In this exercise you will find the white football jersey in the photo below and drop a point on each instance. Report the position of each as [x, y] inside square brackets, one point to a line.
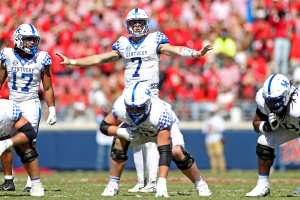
[9, 114]
[141, 58]
[291, 121]
[24, 75]
[160, 117]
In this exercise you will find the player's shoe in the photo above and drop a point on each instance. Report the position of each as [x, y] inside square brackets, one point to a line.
[112, 189]
[203, 190]
[297, 192]
[136, 188]
[26, 189]
[149, 188]
[8, 185]
[37, 190]
[260, 190]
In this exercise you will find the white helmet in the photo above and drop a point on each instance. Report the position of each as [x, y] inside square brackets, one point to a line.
[26, 31]
[277, 92]
[137, 15]
[137, 99]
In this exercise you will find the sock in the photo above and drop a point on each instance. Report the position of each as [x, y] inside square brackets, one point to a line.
[8, 143]
[139, 164]
[8, 177]
[199, 182]
[28, 183]
[152, 159]
[263, 179]
[114, 179]
[35, 181]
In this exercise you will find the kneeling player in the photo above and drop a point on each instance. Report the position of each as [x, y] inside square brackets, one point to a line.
[21, 134]
[136, 119]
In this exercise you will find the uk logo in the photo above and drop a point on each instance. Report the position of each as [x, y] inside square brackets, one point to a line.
[285, 83]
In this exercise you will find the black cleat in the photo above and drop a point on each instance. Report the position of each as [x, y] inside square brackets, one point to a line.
[27, 189]
[8, 185]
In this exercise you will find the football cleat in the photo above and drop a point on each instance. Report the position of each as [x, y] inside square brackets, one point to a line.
[37, 190]
[203, 190]
[149, 188]
[8, 185]
[26, 189]
[136, 188]
[112, 189]
[296, 192]
[260, 190]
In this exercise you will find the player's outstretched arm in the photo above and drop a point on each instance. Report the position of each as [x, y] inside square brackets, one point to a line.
[90, 60]
[168, 49]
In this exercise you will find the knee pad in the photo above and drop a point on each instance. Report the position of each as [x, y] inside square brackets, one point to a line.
[264, 152]
[29, 131]
[186, 163]
[119, 154]
[27, 154]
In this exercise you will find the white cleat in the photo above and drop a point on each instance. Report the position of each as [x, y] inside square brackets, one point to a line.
[259, 191]
[112, 189]
[136, 188]
[203, 190]
[37, 190]
[149, 188]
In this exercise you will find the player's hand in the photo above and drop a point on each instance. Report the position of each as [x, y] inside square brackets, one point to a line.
[207, 48]
[125, 134]
[161, 188]
[51, 116]
[273, 121]
[65, 59]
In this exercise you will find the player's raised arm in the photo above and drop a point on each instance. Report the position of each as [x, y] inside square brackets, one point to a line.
[90, 60]
[169, 49]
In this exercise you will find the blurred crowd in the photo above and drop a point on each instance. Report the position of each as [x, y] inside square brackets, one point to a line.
[251, 39]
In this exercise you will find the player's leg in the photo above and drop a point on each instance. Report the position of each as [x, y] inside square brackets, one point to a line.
[265, 155]
[152, 159]
[6, 160]
[29, 158]
[186, 163]
[31, 110]
[118, 160]
[138, 159]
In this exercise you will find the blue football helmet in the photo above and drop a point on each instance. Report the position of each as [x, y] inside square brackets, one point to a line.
[277, 92]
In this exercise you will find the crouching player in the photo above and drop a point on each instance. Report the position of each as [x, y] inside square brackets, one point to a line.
[20, 133]
[137, 118]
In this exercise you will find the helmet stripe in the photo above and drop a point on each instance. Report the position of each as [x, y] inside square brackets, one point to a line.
[133, 91]
[270, 82]
[32, 29]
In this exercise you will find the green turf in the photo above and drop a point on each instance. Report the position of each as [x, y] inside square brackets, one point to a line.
[89, 185]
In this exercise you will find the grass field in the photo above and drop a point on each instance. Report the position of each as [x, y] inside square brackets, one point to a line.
[80, 185]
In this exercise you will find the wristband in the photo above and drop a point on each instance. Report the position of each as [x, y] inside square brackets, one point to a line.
[261, 127]
[72, 62]
[51, 109]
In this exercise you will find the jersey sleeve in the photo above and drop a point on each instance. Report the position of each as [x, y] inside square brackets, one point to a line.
[117, 108]
[161, 38]
[2, 55]
[46, 61]
[165, 121]
[116, 46]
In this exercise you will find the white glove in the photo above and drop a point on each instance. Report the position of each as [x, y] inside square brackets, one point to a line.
[161, 188]
[51, 116]
[123, 133]
[273, 121]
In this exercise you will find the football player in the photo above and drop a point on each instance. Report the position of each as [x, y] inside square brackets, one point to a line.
[277, 121]
[25, 67]
[21, 134]
[140, 53]
[137, 118]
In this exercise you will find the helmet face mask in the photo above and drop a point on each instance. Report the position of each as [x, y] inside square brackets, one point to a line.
[276, 93]
[27, 38]
[137, 22]
[137, 101]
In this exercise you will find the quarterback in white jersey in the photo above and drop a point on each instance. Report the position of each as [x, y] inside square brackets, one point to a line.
[277, 119]
[140, 53]
[25, 67]
[137, 118]
[20, 136]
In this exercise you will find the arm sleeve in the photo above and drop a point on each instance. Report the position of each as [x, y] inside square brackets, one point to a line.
[2, 55]
[165, 121]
